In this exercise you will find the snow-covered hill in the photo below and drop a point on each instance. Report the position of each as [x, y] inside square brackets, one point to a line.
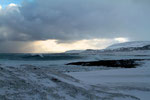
[135, 45]
[74, 51]
[125, 47]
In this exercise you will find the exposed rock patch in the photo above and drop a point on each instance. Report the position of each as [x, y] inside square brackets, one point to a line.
[127, 63]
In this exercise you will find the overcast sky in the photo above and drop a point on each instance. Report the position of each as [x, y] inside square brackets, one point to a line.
[22, 23]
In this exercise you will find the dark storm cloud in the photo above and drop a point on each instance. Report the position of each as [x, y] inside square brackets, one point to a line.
[75, 20]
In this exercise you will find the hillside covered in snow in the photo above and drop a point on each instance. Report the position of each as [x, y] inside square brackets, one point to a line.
[126, 46]
[122, 47]
[135, 45]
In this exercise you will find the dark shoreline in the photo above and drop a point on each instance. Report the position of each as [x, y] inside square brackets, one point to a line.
[123, 63]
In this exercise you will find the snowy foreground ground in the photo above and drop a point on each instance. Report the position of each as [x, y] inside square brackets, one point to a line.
[28, 82]
[53, 80]
[133, 82]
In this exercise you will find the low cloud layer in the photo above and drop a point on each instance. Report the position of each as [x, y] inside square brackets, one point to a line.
[72, 20]
[75, 20]
[52, 46]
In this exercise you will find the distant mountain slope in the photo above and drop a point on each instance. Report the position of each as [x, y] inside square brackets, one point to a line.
[74, 51]
[126, 46]
[130, 45]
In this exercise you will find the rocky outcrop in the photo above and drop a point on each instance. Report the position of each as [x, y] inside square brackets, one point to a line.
[127, 63]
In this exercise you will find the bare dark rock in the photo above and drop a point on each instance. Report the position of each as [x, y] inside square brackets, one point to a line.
[55, 80]
[1, 68]
[126, 63]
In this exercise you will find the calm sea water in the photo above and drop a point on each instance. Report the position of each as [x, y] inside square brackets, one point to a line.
[55, 62]
[39, 57]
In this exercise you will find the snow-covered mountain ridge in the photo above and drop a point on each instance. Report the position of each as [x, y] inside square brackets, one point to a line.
[126, 46]
[131, 45]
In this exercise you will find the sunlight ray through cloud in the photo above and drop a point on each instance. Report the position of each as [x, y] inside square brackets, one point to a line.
[54, 46]
[121, 39]
[0, 7]
[12, 4]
